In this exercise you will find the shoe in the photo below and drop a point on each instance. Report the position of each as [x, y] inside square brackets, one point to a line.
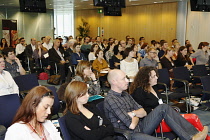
[201, 135]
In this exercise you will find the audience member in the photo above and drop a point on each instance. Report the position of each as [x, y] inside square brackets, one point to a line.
[7, 84]
[183, 59]
[153, 42]
[149, 60]
[43, 39]
[123, 44]
[20, 50]
[129, 43]
[111, 41]
[137, 55]
[12, 63]
[41, 56]
[109, 53]
[142, 89]
[143, 49]
[190, 49]
[141, 42]
[117, 57]
[77, 56]
[105, 43]
[174, 41]
[3, 44]
[92, 41]
[129, 65]
[47, 43]
[167, 61]
[56, 56]
[29, 53]
[201, 54]
[187, 42]
[85, 48]
[84, 121]
[125, 113]
[100, 64]
[31, 121]
[164, 46]
[92, 54]
[100, 44]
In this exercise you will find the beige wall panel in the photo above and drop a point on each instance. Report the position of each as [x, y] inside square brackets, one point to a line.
[157, 21]
[198, 28]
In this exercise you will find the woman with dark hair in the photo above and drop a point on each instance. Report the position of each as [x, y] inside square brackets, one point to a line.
[77, 56]
[3, 44]
[41, 54]
[129, 65]
[117, 57]
[142, 88]
[167, 61]
[201, 54]
[84, 122]
[183, 59]
[190, 49]
[143, 49]
[92, 54]
[109, 53]
[137, 55]
[30, 121]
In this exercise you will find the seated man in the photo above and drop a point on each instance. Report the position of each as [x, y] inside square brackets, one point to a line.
[125, 113]
[12, 63]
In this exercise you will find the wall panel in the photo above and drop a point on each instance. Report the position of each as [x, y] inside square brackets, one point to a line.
[157, 21]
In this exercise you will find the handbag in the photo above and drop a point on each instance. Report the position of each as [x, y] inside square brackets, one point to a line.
[43, 76]
[54, 79]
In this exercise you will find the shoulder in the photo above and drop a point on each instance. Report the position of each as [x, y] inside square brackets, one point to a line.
[135, 61]
[16, 127]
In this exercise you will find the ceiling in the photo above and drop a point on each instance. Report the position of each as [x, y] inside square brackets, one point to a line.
[63, 5]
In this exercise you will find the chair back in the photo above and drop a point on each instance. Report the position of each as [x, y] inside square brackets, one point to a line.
[9, 105]
[63, 128]
[56, 105]
[26, 82]
[163, 76]
[205, 80]
[181, 73]
[100, 107]
[200, 70]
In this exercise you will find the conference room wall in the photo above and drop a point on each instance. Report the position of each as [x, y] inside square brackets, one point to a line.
[29, 25]
[157, 21]
[198, 27]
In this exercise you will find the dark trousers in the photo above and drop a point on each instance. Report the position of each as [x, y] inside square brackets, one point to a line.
[175, 121]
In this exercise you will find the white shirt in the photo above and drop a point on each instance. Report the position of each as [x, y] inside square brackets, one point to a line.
[33, 47]
[20, 131]
[19, 49]
[130, 68]
[7, 84]
[91, 56]
[48, 46]
[59, 53]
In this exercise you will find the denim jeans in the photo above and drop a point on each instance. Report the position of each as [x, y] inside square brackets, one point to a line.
[174, 120]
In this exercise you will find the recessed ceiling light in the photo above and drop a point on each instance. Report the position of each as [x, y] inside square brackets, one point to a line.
[135, 4]
[50, 4]
[155, 2]
[91, 4]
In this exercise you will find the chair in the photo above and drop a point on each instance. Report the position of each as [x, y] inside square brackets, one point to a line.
[63, 128]
[56, 105]
[9, 105]
[2, 132]
[206, 92]
[164, 83]
[26, 82]
[198, 71]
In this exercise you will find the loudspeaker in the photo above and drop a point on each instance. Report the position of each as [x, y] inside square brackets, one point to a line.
[38, 6]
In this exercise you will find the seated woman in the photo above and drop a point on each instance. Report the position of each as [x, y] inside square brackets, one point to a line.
[117, 57]
[145, 95]
[137, 55]
[100, 64]
[201, 54]
[167, 61]
[149, 60]
[129, 65]
[183, 59]
[92, 54]
[109, 53]
[7, 84]
[30, 122]
[142, 88]
[84, 122]
[41, 54]
[77, 55]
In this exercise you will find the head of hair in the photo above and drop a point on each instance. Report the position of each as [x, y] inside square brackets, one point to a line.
[162, 43]
[1, 43]
[116, 49]
[75, 45]
[92, 47]
[27, 110]
[180, 56]
[126, 52]
[149, 49]
[6, 51]
[74, 90]
[169, 49]
[141, 38]
[144, 45]
[173, 40]
[21, 39]
[188, 46]
[153, 42]
[186, 42]
[97, 52]
[81, 67]
[203, 44]
[142, 79]
[42, 37]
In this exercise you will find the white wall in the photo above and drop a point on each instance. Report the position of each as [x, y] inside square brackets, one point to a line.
[29, 25]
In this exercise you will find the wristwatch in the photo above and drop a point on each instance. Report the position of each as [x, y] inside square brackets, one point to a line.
[134, 115]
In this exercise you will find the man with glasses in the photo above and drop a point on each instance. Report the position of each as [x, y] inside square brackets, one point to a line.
[150, 59]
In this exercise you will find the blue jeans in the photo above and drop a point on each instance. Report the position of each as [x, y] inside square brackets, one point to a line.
[174, 120]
